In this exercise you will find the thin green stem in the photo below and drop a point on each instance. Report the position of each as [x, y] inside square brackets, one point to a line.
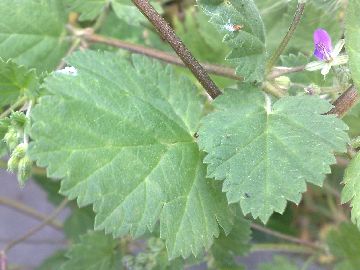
[295, 22]
[288, 248]
[101, 19]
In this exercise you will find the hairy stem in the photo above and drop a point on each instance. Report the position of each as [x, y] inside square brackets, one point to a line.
[34, 230]
[280, 71]
[185, 55]
[285, 237]
[20, 207]
[345, 102]
[295, 22]
[157, 54]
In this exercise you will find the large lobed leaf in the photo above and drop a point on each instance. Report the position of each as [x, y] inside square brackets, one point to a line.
[248, 44]
[32, 32]
[265, 152]
[120, 134]
[352, 35]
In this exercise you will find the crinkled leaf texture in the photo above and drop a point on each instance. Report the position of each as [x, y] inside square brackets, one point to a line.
[248, 44]
[344, 244]
[352, 36]
[96, 251]
[121, 136]
[15, 80]
[32, 32]
[265, 152]
[351, 191]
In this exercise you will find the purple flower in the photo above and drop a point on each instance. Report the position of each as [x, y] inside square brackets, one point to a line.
[327, 55]
[323, 45]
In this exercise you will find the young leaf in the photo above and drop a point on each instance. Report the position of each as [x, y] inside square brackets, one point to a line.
[351, 191]
[236, 243]
[265, 152]
[352, 36]
[33, 32]
[242, 25]
[88, 9]
[344, 244]
[53, 262]
[121, 136]
[279, 263]
[15, 80]
[79, 222]
[95, 251]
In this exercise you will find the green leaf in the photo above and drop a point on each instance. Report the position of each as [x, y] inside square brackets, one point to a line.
[33, 32]
[15, 81]
[124, 9]
[351, 191]
[265, 152]
[79, 222]
[53, 262]
[248, 44]
[88, 9]
[279, 263]
[236, 243]
[96, 251]
[127, 146]
[352, 36]
[344, 244]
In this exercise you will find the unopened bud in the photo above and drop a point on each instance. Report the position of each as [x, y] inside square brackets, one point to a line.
[19, 151]
[11, 138]
[24, 170]
[283, 82]
[13, 164]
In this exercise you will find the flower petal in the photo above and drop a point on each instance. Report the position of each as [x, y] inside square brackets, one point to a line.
[338, 48]
[322, 44]
[316, 65]
[340, 60]
[325, 70]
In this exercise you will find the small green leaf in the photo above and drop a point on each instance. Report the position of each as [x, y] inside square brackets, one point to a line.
[15, 81]
[352, 37]
[127, 147]
[279, 263]
[351, 191]
[265, 152]
[53, 262]
[248, 43]
[32, 32]
[236, 243]
[95, 251]
[88, 9]
[79, 222]
[344, 244]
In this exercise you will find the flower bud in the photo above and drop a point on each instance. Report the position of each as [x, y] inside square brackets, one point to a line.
[24, 170]
[13, 164]
[11, 138]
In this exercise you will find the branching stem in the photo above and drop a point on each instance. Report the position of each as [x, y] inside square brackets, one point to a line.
[295, 22]
[34, 230]
[185, 55]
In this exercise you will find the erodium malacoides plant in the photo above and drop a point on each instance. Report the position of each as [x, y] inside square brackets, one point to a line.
[184, 134]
